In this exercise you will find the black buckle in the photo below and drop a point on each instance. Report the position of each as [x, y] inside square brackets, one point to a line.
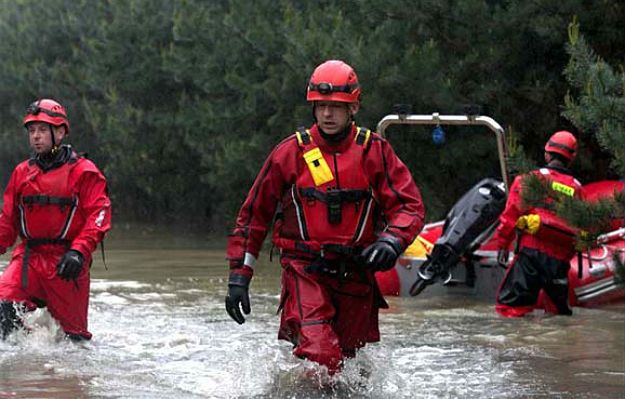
[334, 202]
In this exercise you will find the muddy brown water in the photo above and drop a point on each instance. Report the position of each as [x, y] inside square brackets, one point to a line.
[160, 331]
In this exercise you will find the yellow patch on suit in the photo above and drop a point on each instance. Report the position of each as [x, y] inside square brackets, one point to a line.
[318, 166]
[563, 188]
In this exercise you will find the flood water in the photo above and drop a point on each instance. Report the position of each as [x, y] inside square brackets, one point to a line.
[161, 331]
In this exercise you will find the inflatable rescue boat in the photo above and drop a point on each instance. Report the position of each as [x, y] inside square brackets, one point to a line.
[457, 256]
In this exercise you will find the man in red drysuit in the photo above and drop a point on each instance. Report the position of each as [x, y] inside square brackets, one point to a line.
[58, 204]
[347, 207]
[546, 243]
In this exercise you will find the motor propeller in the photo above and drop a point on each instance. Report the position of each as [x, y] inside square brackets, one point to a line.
[435, 269]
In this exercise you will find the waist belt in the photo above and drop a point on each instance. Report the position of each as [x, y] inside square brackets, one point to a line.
[36, 242]
[338, 268]
[316, 249]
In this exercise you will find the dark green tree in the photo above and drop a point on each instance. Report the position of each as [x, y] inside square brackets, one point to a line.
[596, 106]
[180, 102]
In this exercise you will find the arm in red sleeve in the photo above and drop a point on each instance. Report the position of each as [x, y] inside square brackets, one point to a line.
[505, 232]
[257, 212]
[9, 222]
[397, 193]
[95, 205]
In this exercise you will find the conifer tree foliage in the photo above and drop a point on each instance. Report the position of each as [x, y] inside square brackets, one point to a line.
[590, 219]
[180, 102]
[596, 102]
[596, 107]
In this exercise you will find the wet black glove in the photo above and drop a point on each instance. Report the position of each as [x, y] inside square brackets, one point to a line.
[70, 265]
[238, 297]
[382, 254]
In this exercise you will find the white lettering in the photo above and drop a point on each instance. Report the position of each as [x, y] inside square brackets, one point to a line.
[100, 218]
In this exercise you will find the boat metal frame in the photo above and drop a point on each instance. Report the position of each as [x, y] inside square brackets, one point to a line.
[436, 119]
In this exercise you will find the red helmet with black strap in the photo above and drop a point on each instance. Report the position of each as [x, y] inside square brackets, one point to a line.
[563, 143]
[47, 111]
[333, 80]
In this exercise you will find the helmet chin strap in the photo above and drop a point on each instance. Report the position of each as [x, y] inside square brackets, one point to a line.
[55, 147]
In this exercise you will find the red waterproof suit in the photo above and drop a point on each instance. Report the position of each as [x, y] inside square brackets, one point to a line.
[329, 302]
[542, 261]
[55, 210]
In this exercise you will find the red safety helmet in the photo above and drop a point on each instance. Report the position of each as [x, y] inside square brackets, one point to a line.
[333, 81]
[48, 111]
[563, 143]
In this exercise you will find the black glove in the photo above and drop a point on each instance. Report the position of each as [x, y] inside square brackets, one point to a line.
[238, 297]
[382, 254]
[502, 258]
[70, 265]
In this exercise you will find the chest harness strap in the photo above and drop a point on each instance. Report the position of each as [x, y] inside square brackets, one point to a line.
[321, 173]
[30, 200]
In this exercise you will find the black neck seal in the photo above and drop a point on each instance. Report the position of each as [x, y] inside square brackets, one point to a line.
[337, 137]
[53, 159]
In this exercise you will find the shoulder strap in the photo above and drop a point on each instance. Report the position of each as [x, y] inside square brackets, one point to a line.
[303, 136]
[362, 136]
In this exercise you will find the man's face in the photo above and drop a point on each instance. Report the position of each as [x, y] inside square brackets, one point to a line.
[333, 116]
[40, 139]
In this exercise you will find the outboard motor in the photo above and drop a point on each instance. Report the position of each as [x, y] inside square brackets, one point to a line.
[467, 225]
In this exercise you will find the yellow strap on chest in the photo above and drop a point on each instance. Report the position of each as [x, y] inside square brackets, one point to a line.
[563, 188]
